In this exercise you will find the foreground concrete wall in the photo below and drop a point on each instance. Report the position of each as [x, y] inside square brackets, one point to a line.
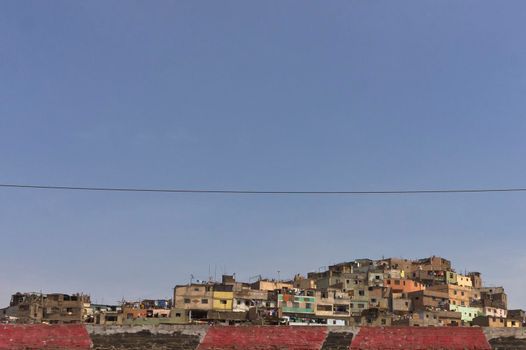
[202, 337]
[417, 338]
[506, 338]
[287, 338]
[40, 336]
[161, 337]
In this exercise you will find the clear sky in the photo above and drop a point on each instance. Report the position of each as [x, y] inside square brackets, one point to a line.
[271, 95]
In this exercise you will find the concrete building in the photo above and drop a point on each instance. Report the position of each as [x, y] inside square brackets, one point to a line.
[464, 281]
[430, 319]
[400, 303]
[301, 303]
[55, 308]
[468, 313]
[105, 314]
[403, 266]
[332, 303]
[222, 297]
[489, 321]
[429, 300]
[461, 296]
[245, 299]
[514, 322]
[301, 282]
[403, 285]
[494, 297]
[518, 314]
[494, 312]
[476, 279]
[196, 299]
[270, 285]
[379, 297]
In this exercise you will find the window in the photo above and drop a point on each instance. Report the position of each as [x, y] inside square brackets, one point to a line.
[204, 301]
[462, 293]
[361, 306]
[295, 305]
[373, 300]
[177, 314]
[377, 277]
[361, 293]
[383, 321]
[397, 282]
[308, 306]
[196, 289]
[187, 301]
[223, 302]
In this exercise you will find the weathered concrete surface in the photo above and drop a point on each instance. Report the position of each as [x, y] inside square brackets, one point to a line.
[492, 333]
[41, 336]
[202, 337]
[418, 338]
[338, 340]
[161, 337]
[506, 338]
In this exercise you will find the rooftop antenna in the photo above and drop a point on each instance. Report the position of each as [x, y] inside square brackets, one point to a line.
[191, 278]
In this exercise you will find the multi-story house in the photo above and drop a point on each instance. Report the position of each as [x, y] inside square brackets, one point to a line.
[461, 296]
[333, 304]
[53, 308]
[195, 299]
[403, 285]
[429, 300]
[296, 304]
[468, 312]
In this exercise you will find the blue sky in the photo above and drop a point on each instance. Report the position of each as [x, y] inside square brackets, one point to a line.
[272, 95]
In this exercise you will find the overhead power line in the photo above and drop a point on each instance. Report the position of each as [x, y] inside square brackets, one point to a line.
[242, 192]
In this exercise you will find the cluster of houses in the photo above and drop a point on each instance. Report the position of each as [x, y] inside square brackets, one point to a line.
[392, 291]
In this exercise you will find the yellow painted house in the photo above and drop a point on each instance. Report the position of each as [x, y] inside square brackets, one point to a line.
[222, 301]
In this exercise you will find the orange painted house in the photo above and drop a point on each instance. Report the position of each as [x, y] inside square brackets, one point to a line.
[403, 285]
